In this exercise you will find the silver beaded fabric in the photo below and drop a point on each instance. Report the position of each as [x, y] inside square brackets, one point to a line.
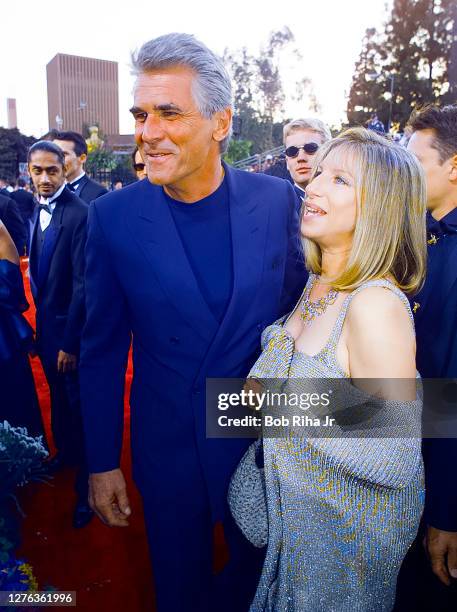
[342, 512]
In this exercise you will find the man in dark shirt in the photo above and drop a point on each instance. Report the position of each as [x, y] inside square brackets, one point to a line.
[193, 263]
[74, 148]
[434, 142]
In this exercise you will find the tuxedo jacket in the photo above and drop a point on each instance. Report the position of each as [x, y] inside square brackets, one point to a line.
[435, 315]
[89, 190]
[139, 281]
[25, 203]
[11, 217]
[57, 279]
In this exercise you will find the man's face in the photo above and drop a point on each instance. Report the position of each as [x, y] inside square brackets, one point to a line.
[437, 174]
[46, 172]
[177, 144]
[301, 166]
[73, 162]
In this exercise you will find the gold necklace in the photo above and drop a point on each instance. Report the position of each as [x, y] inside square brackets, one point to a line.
[311, 310]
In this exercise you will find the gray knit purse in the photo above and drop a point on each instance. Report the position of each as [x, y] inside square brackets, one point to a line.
[247, 496]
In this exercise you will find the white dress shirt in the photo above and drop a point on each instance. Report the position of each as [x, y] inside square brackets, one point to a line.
[75, 184]
[45, 217]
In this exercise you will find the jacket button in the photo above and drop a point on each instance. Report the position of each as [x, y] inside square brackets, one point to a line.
[174, 340]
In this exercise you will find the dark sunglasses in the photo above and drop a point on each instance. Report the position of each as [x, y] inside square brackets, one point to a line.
[309, 147]
[138, 167]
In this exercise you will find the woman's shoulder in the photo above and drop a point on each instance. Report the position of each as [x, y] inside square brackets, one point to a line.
[378, 299]
[380, 312]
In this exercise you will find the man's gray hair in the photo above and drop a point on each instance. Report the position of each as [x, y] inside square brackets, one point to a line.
[212, 88]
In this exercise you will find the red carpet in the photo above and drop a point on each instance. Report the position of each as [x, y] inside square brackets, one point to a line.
[108, 568]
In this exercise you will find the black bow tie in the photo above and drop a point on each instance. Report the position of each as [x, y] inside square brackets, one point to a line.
[72, 187]
[45, 207]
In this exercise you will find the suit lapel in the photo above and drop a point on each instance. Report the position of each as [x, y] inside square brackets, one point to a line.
[51, 237]
[155, 231]
[81, 185]
[439, 285]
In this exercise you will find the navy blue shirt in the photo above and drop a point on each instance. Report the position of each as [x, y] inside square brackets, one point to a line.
[204, 229]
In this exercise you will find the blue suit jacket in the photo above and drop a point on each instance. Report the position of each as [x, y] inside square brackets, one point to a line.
[436, 332]
[139, 282]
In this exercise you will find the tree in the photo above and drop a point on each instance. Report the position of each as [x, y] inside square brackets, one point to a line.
[238, 149]
[414, 49]
[259, 95]
[102, 159]
[365, 93]
[13, 150]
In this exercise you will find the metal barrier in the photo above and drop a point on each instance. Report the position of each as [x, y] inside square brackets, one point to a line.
[259, 159]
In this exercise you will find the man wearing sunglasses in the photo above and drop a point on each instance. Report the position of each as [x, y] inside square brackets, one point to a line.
[302, 138]
[138, 164]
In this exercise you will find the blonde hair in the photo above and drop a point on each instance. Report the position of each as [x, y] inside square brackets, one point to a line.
[315, 125]
[389, 235]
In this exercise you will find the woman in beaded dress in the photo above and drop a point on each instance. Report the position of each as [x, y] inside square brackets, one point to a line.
[342, 511]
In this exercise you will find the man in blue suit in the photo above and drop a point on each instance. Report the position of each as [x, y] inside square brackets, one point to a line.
[193, 263]
[434, 142]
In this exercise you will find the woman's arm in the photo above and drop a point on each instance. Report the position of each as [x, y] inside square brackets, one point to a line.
[381, 344]
[7, 249]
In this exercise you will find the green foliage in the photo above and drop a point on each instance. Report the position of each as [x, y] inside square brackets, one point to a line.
[415, 49]
[100, 159]
[13, 149]
[258, 89]
[238, 149]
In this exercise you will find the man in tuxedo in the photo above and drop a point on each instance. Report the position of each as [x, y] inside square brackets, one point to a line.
[56, 260]
[74, 148]
[5, 189]
[193, 263]
[26, 204]
[302, 138]
[11, 217]
[434, 142]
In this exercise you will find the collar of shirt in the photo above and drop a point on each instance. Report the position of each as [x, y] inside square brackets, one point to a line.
[300, 188]
[75, 183]
[51, 201]
[446, 225]
[45, 217]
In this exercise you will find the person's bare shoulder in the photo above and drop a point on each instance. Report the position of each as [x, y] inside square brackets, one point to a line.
[380, 335]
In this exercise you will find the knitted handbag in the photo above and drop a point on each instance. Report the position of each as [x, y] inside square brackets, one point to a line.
[247, 496]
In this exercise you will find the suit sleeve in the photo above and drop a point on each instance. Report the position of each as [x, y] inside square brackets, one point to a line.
[295, 276]
[75, 320]
[104, 350]
[15, 225]
[440, 459]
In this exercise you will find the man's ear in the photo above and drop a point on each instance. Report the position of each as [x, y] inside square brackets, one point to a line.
[223, 121]
[453, 173]
[83, 158]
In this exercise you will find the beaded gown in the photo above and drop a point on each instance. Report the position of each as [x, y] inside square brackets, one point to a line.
[342, 512]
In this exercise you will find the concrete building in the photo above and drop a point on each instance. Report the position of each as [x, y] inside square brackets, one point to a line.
[11, 112]
[82, 91]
